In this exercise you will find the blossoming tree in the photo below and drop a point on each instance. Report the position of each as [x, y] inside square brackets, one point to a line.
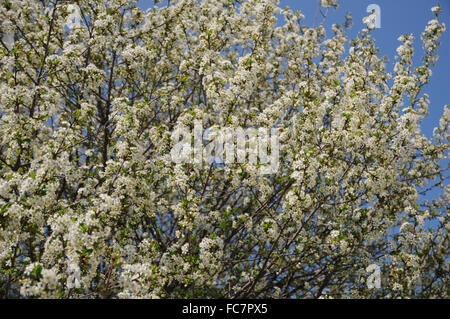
[91, 204]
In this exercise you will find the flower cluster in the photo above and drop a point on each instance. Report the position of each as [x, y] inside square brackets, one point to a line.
[92, 205]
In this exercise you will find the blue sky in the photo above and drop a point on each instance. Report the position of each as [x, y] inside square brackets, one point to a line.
[398, 17]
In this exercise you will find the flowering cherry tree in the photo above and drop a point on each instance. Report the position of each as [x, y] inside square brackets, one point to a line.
[92, 205]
